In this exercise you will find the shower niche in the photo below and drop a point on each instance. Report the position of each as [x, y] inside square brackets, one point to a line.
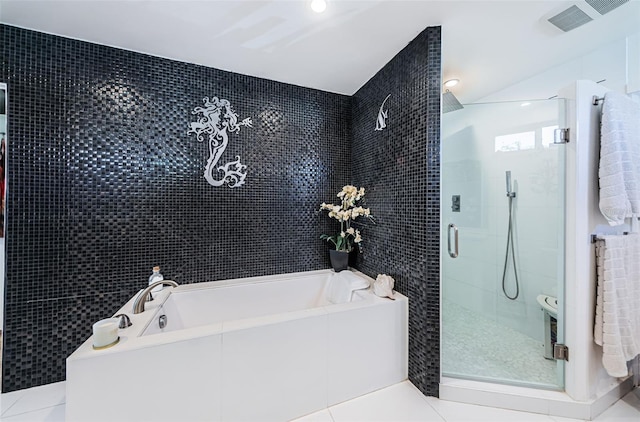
[509, 175]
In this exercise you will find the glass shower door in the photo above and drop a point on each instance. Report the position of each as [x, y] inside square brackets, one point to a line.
[503, 204]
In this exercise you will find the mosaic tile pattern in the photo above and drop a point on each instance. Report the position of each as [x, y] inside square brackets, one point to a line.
[476, 347]
[400, 168]
[104, 183]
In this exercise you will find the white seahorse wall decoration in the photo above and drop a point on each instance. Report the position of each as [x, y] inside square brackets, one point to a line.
[216, 122]
[382, 116]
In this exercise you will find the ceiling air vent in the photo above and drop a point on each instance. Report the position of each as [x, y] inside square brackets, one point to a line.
[570, 18]
[606, 6]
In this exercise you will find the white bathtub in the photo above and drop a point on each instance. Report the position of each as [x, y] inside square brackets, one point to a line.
[255, 349]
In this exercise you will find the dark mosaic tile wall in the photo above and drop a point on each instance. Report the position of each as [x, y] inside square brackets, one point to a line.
[400, 167]
[104, 183]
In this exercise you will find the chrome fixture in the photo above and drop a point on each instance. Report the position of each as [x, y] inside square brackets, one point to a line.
[138, 305]
[453, 253]
[510, 194]
[561, 136]
[124, 322]
[162, 321]
[455, 203]
[450, 102]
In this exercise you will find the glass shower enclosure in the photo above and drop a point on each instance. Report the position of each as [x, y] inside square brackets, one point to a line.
[502, 190]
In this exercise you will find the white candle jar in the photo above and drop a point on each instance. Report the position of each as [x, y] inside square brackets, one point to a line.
[105, 333]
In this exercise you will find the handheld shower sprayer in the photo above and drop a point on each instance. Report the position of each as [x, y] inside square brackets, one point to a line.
[510, 193]
[510, 245]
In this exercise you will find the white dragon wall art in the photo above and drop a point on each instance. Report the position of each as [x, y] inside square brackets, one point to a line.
[217, 121]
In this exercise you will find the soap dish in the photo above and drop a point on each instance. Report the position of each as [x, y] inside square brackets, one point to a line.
[106, 346]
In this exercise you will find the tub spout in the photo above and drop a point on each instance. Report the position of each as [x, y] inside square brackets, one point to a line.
[138, 305]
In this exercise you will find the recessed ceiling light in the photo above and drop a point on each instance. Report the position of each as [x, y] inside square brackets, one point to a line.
[318, 6]
[451, 82]
[525, 104]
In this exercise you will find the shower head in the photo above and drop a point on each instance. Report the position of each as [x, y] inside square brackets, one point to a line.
[450, 102]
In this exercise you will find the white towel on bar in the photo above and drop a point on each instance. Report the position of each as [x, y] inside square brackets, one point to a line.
[619, 158]
[617, 322]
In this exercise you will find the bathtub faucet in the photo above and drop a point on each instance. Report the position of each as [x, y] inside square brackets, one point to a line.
[138, 305]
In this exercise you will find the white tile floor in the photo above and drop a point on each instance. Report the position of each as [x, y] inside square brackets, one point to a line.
[398, 403]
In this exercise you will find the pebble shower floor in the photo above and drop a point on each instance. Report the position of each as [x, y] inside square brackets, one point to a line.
[478, 347]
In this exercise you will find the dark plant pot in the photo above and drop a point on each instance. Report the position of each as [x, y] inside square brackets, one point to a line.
[339, 260]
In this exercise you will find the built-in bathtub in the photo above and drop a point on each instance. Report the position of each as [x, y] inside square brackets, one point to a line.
[260, 349]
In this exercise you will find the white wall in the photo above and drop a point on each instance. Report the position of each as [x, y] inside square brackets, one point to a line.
[585, 375]
[617, 63]
[633, 63]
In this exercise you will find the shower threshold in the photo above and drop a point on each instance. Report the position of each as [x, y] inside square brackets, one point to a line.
[546, 402]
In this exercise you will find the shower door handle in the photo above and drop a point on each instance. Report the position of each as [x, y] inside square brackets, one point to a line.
[452, 253]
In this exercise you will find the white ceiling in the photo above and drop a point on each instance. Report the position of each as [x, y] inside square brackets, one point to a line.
[487, 44]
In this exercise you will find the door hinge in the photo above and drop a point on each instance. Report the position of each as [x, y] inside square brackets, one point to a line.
[561, 136]
[560, 352]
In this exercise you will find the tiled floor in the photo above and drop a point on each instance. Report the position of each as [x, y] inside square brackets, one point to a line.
[477, 347]
[398, 403]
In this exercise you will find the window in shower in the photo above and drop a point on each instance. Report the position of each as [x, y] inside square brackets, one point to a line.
[516, 141]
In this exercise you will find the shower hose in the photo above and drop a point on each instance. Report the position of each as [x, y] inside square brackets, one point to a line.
[513, 255]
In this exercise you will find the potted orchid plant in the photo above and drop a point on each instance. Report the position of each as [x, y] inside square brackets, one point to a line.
[346, 213]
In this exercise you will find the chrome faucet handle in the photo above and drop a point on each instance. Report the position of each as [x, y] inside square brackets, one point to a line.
[125, 321]
[149, 297]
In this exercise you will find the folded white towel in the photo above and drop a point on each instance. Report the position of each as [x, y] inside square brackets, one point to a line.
[619, 158]
[342, 285]
[617, 323]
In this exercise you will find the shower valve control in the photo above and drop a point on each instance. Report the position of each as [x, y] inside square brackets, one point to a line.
[455, 203]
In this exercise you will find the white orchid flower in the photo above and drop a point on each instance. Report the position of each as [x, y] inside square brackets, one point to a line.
[346, 211]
